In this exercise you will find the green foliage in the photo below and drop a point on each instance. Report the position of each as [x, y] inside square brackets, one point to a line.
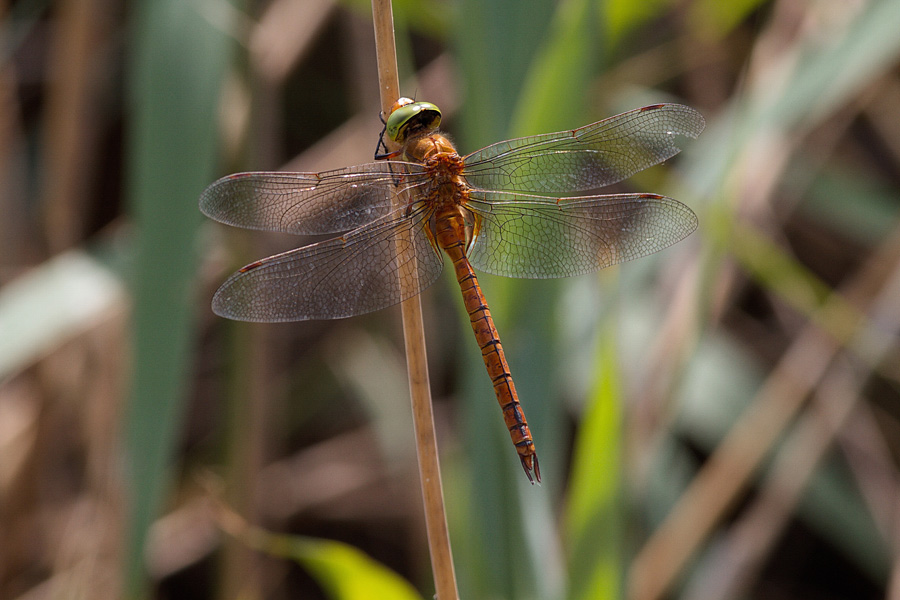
[555, 86]
[593, 517]
[717, 19]
[51, 302]
[342, 570]
[178, 65]
[622, 17]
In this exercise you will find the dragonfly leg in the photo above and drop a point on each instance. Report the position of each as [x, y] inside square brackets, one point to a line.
[381, 145]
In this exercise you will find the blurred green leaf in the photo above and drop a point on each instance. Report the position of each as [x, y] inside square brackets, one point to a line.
[553, 96]
[498, 41]
[593, 518]
[51, 304]
[177, 67]
[623, 16]
[715, 19]
[343, 571]
[496, 568]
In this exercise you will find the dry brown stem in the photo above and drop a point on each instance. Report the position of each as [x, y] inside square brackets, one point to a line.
[414, 337]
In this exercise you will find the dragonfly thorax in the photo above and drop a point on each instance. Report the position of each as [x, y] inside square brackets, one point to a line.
[446, 185]
[423, 148]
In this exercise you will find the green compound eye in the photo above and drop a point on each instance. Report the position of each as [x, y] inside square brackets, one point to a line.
[412, 118]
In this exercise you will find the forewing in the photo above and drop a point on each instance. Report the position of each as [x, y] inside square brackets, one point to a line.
[309, 203]
[535, 237]
[587, 158]
[351, 275]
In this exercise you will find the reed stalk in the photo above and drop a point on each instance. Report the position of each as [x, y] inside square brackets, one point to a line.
[414, 338]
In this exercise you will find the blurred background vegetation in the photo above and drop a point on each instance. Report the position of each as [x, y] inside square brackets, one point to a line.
[719, 421]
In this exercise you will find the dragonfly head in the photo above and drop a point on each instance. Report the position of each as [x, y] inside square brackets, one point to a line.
[409, 118]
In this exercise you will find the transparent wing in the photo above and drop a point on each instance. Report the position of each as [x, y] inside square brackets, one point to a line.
[534, 237]
[587, 158]
[351, 275]
[309, 203]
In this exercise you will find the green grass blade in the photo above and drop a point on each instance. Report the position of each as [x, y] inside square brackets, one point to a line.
[343, 571]
[554, 93]
[52, 303]
[497, 44]
[594, 513]
[712, 18]
[517, 87]
[177, 65]
[624, 16]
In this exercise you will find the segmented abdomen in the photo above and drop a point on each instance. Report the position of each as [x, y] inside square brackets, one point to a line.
[450, 235]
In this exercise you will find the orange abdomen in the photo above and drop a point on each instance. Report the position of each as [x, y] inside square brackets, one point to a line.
[450, 235]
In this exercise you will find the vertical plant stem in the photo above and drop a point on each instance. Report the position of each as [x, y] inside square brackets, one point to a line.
[414, 338]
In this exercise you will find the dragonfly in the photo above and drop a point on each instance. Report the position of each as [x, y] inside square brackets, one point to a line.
[516, 208]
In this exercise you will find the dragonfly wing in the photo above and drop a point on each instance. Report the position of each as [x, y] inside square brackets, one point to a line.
[535, 237]
[309, 203]
[587, 158]
[342, 277]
